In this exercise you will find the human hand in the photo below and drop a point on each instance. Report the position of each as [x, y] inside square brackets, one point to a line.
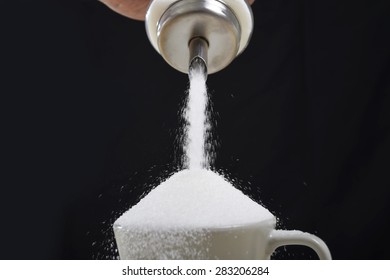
[135, 9]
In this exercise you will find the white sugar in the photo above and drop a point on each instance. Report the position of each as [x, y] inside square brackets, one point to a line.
[194, 199]
[197, 123]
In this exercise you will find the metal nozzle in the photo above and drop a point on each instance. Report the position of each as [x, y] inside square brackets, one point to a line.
[198, 48]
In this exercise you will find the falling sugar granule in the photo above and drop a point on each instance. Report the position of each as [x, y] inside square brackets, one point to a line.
[189, 201]
[197, 122]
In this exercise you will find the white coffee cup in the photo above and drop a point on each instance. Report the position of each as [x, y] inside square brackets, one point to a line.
[249, 241]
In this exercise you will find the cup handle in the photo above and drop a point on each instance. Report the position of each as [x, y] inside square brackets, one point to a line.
[295, 237]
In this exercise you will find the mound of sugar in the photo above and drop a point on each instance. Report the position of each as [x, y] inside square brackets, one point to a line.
[192, 199]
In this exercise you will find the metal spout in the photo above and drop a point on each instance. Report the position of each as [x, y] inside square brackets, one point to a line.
[198, 54]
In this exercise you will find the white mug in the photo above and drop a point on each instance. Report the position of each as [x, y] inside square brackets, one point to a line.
[241, 242]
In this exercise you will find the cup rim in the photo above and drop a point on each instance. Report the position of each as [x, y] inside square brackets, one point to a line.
[269, 222]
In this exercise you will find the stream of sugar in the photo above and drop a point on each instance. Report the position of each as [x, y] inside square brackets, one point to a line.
[197, 122]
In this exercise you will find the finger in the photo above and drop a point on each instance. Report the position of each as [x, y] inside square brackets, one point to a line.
[135, 9]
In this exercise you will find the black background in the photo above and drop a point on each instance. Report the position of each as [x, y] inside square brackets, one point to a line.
[90, 118]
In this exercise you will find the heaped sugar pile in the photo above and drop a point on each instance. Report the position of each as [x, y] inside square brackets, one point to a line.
[193, 199]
